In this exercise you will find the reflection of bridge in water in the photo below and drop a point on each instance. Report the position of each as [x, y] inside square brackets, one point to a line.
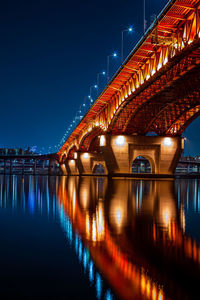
[136, 237]
[134, 232]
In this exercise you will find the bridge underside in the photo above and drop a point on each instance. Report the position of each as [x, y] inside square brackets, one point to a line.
[168, 103]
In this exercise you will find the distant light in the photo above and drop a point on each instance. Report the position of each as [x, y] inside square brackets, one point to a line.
[71, 162]
[114, 54]
[73, 121]
[95, 86]
[89, 96]
[103, 73]
[130, 29]
[83, 104]
[120, 140]
[86, 155]
[167, 141]
[91, 100]
[75, 155]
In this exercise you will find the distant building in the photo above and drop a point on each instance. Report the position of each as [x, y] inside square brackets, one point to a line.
[15, 151]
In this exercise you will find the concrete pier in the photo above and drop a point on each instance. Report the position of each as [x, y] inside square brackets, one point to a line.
[117, 153]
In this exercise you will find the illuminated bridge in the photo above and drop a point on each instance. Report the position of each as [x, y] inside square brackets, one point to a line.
[155, 92]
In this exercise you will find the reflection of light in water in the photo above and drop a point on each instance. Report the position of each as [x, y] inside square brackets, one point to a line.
[195, 195]
[182, 218]
[84, 259]
[73, 203]
[108, 295]
[147, 286]
[154, 293]
[80, 251]
[31, 196]
[167, 214]
[198, 199]
[94, 230]
[76, 244]
[87, 220]
[71, 187]
[118, 217]
[84, 197]
[98, 286]
[100, 222]
[166, 217]
[91, 273]
[160, 296]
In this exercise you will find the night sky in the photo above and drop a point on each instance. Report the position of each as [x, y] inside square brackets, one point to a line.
[50, 54]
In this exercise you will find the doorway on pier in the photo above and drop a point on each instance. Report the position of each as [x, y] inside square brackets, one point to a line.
[141, 165]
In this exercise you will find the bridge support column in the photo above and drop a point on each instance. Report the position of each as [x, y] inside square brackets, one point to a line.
[163, 153]
[88, 161]
[84, 163]
[63, 169]
[71, 167]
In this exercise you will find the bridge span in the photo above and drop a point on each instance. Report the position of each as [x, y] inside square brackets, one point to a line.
[156, 90]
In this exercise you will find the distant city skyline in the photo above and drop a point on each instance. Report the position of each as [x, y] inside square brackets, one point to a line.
[51, 53]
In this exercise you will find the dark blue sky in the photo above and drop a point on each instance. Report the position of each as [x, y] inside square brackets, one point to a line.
[50, 54]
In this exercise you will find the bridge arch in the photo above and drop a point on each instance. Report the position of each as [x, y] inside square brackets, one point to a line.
[157, 108]
[71, 152]
[143, 163]
[87, 139]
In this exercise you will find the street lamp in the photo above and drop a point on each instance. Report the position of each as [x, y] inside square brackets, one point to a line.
[130, 29]
[90, 99]
[98, 79]
[108, 63]
[92, 87]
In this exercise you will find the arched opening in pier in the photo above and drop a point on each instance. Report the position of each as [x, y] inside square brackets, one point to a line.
[99, 169]
[141, 165]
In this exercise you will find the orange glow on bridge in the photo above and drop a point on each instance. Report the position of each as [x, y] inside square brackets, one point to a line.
[168, 51]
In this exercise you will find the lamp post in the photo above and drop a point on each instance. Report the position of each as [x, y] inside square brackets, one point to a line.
[108, 63]
[98, 79]
[90, 99]
[130, 29]
[90, 95]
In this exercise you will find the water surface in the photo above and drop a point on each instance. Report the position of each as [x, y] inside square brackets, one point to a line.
[94, 238]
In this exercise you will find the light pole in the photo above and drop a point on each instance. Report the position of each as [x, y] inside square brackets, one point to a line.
[130, 29]
[108, 63]
[90, 99]
[98, 79]
[90, 96]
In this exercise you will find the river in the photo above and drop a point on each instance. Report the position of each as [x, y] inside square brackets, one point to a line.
[97, 238]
